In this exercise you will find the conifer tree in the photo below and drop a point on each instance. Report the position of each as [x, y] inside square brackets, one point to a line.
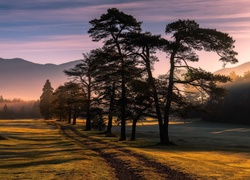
[82, 73]
[113, 27]
[45, 101]
[186, 39]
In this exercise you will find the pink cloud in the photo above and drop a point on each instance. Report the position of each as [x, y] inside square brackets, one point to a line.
[60, 48]
[67, 42]
[226, 15]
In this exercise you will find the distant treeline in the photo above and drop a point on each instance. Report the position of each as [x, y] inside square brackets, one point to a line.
[234, 108]
[19, 109]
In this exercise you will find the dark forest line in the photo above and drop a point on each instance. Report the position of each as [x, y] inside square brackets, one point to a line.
[234, 108]
[19, 109]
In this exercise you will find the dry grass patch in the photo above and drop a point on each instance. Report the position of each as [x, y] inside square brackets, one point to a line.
[204, 164]
[34, 150]
[220, 159]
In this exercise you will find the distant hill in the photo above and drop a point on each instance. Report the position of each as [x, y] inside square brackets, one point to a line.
[20, 78]
[23, 79]
[239, 70]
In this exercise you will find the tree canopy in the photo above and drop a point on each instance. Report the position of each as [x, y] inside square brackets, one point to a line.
[113, 28]
[118, 80]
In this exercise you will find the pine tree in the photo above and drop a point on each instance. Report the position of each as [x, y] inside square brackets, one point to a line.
[1, 99]
[83, 74]
[186, 39]
[6, 114]
[45, 101]
[113, 28]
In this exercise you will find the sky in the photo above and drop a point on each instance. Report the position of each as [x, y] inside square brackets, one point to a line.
[55, 31]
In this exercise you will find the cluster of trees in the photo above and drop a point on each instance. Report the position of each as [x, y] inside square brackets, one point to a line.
[235, 106]
[66, 102]
[18, 109]
[239, 79]
[117, 79]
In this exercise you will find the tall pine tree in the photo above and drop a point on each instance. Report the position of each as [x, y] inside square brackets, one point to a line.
[45, 101]
[113, 27]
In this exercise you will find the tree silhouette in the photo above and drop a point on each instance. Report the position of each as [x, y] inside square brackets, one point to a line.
[187, 38]
[113, 28]
[107, 77]
[1, 99]
[140, 100]
[45, 101]
[75, 99]
[144, 46]
[234, 108]
[59, 103]
[234, 76]
[6, 112]
[246, 75]
[83, 73]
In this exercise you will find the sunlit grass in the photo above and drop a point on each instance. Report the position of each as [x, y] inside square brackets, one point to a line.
[204, 164]
[34, 150]
[199, 160]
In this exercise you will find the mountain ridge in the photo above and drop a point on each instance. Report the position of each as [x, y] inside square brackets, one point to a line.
[239, 70]
[23, 79]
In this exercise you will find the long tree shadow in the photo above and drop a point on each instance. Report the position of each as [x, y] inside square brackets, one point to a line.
[113, 153]
[42, 147]
[41, 162]
[196, 136]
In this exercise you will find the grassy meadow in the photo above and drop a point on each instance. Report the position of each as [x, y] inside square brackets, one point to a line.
[203, 149]
[33, 149]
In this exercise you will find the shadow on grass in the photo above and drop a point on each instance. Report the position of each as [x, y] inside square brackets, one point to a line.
[180, 147]
[38, 163]
[31, 149]
[184, 141]
[10, 153]
[2, 138]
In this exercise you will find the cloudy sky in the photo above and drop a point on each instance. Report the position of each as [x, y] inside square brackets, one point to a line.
[55, 31]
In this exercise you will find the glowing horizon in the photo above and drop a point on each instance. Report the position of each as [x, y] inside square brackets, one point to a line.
[55, 32]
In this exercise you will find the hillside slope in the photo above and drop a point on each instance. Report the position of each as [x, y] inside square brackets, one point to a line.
[239, 70]
[23, 79]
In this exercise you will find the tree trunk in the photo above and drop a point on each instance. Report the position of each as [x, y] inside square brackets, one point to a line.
[135, 120]
[169, 97]
[100, 122]
[88, 118]
[74, 118]
[111, 108]
[123, 98]
[123, 107]
[132, 138]
[110, 121]
[163, 137]
[69, 116]
[60, 117]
